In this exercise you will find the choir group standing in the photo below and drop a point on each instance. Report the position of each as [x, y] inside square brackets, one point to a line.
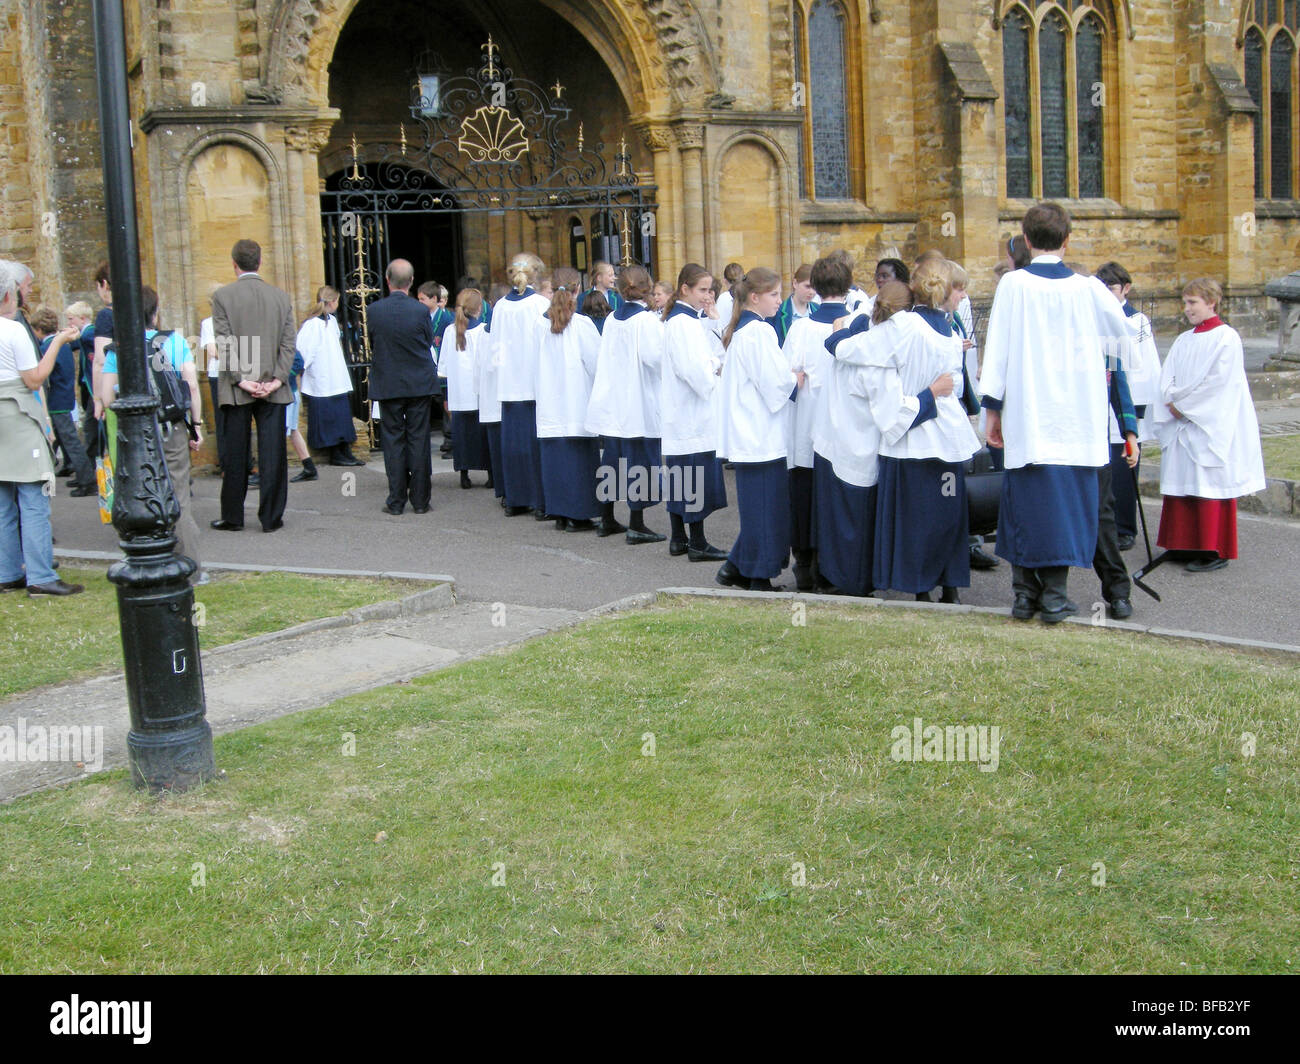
[849, 439]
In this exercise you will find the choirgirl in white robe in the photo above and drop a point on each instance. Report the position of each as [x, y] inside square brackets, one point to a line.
[470, 448]
[326, 384]
[805, 350]
[514, 329]
[624, 411]
[921, 539]
[753, 435]
[693, 479]
[566, 369]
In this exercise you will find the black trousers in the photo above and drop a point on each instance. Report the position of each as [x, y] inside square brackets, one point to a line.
[274, 467]
[1107, 560]
[404, 433]
[1121, 484]
[1047, 587]
[219, 417]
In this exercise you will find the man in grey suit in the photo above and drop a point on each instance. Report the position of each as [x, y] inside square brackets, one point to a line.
[254, 329]
[403, 378]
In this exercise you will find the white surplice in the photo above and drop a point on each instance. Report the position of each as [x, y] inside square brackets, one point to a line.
[461, 368]
[753, 424]
[325, 369]
[566, 369]
[1212, 451]
[689, 383]
[513, 328]
[625, 394]
[1045, 359]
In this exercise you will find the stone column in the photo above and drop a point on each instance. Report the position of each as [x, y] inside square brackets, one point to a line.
[668, 227]
[690, 140]
[306, 259]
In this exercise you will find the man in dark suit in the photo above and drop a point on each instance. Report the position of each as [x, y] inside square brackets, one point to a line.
[403, 377]
[253, 326]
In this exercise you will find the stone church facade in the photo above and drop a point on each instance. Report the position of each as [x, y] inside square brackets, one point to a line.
[762, 131]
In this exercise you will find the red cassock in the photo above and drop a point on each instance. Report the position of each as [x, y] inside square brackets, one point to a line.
[1189, 523]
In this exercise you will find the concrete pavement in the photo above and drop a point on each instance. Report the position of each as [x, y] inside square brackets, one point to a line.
[337, 523]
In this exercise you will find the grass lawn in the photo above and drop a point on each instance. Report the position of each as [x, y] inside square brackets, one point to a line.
[708, 788]
[1282, 457]
[49, 640]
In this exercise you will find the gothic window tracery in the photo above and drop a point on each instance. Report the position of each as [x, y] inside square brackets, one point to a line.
[1057, 62]
[823, 43]
[1269, 49]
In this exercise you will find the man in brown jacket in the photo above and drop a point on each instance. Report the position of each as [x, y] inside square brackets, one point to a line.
[254, 329]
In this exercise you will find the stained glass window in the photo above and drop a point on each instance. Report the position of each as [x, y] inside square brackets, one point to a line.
[828, 99]
[1091, 99]
[1015, 78]
[1052, 36]
[1279, 63]
[1255, 86]
[1056, 142]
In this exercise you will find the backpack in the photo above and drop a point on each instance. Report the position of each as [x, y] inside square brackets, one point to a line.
[164, 382]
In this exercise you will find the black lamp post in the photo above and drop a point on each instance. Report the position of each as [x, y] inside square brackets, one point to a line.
[170, 743]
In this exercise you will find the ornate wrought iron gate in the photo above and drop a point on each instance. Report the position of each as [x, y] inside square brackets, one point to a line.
[484, 142]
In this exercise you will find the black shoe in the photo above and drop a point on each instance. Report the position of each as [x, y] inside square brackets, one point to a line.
[542, 515]
[1057, 616]
[924, 596]
[14, 585]
[515, 511]
[1206, 565]
[950, 596]
[803, 578]
[979, 559]
[1126, 542]
[490, 483]
[304, 475]
[81, 492]
[1121, 609]
[678, 547]
[420, 509]
[644, 535]
[275, 527]
[346, 460]
[561, 524]
[223, 525]
[394, 509]
[581, 526]
[607, 526]
[1024, 609]
[66, 471]
[464, 479]
[56, 587]
[729, 576]
[707, 553]
[761, 585]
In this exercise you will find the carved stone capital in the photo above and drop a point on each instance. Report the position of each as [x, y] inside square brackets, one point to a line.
[307, 138]
[689, 135]
[656, 137]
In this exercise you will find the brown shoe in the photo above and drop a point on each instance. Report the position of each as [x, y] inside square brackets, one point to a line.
[57, 587]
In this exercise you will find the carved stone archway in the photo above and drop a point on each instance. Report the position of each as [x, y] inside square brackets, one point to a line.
[657, 47]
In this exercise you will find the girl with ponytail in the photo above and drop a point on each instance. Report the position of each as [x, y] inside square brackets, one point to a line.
[463, 345]
[624, 409]
[693, 478]
[757, 389]
[516, 334]
[566, 367]
[326, 384]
